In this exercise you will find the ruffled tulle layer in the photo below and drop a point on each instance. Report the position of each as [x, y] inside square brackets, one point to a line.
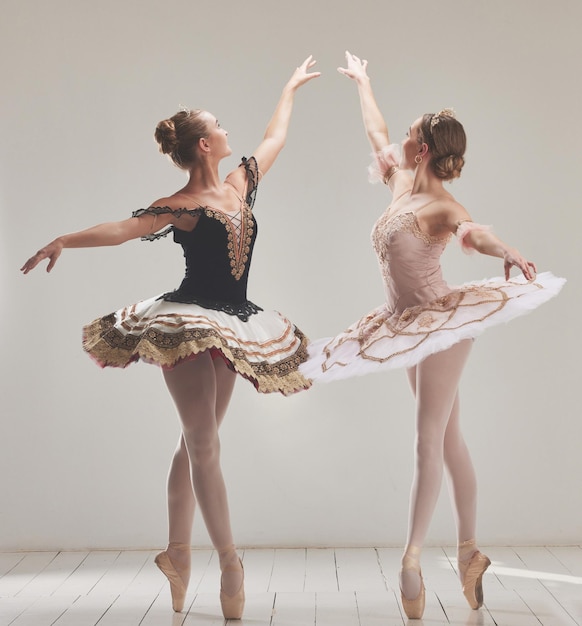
[267, 349]
[383, 339]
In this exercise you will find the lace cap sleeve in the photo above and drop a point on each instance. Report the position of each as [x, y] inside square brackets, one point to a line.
[383, 161]
[160, 210]
[463, 229]
[252, 171]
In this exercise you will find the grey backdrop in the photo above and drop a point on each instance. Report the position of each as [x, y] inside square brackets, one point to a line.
[84, 451]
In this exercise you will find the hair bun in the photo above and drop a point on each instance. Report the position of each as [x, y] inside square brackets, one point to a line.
[449, 167]
[165, 135]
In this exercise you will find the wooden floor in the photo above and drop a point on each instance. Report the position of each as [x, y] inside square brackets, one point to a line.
[288, 587]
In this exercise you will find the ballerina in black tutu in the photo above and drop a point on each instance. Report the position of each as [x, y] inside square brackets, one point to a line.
[206, 331]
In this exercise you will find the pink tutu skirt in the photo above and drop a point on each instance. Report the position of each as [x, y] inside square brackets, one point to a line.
[385, 339]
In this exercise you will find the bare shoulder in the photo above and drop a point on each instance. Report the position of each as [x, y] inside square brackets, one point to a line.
[175, 201]
[237, 178]
[451, 213]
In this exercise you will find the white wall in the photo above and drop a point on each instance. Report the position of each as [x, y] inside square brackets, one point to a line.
[84, 451]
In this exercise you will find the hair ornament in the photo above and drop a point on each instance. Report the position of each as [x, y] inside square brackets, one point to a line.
[437, 117]
[184, 109]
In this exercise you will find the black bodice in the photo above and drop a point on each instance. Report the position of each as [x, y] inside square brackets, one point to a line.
[217, 252]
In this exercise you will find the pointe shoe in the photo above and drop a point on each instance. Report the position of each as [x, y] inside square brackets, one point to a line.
[233, 606]
[178, 587]
[471, 574]
[414, 608]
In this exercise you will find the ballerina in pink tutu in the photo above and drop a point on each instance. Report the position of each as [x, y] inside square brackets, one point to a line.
[425, 325]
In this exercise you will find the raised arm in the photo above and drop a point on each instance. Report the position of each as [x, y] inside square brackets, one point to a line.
[276, 133]
[374, 123]
[108, 234]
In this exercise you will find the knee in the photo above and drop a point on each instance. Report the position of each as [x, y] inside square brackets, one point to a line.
[204, 449]
[429, 449]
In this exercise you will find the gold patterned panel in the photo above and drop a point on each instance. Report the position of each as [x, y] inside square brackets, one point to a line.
[239, 247]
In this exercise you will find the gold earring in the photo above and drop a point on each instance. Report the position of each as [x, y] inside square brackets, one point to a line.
[418, 159]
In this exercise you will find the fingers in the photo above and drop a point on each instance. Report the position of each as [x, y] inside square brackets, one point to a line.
[52, 262]
[30, 264]
[37, 258]
[353, 57]
[308, 63]
[528, 268]
[301, 73]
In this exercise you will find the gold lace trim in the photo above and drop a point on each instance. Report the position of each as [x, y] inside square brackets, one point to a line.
[418, 322]
[239, 236]
[112, 348]
[408, 223]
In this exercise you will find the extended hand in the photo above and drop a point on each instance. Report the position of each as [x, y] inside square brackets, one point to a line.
[513, 257]
[356, 68]
[301, 75]
[52, 252]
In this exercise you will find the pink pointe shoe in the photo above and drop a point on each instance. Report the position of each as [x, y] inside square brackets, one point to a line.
[233, 606]
[178, 580]
[414, 608]
[471, 574]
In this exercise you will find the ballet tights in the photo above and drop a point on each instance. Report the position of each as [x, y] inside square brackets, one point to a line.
[201, 390]
[439, 444]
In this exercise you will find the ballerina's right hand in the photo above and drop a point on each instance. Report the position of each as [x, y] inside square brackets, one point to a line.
[513, 258]
[52, 251]
[356, 67]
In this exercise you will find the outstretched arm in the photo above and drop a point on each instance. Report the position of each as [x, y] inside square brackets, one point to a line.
[473, 236]
[276, 133]
[485, 242]
[374, 123]
[109, 234]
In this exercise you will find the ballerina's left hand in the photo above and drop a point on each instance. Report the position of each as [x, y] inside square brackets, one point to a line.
[513, 257]
[301, 75]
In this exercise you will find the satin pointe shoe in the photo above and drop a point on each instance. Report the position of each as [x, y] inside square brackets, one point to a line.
[178, 583]
[471, 574]
[414, 608]
[233, 606]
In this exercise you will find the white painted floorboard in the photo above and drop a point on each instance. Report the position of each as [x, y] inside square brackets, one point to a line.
[525, 586]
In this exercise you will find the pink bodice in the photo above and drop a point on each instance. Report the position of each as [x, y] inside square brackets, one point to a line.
[409, 260]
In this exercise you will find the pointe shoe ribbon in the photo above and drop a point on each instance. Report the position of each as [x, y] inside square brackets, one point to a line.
[471, 574]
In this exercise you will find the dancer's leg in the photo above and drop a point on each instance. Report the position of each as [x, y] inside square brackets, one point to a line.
[230, 565]
[201, 391]
[195, 388]
[181, 500]
[461, 477]
[434, 382]
[463, 488]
